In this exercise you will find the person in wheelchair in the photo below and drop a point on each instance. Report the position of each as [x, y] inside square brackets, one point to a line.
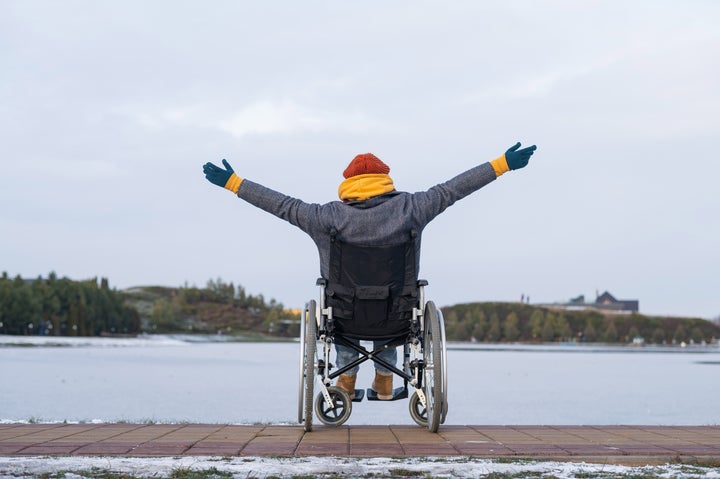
[370, 212]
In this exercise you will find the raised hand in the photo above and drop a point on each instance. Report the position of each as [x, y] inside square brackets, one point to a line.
[225, 178]
[516, 158]
[217, 175]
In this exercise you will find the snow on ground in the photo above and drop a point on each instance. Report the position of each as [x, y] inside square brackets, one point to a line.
[264, 467]
[55, 341]
[136, 341]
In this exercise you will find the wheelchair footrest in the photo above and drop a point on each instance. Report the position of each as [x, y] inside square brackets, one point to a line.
[359, 395]
[398, 393]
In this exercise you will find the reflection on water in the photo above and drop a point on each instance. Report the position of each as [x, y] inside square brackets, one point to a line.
[177, 381]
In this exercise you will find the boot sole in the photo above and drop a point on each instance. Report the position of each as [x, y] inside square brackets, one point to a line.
[382, 397]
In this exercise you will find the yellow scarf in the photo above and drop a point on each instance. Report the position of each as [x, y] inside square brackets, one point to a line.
[363, 187]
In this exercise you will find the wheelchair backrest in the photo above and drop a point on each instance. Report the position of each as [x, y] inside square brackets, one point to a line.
[372, 289]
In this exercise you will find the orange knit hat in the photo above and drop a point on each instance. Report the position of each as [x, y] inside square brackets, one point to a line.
[365, 164]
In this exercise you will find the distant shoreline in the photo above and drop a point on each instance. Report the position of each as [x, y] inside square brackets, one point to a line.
[184, 340]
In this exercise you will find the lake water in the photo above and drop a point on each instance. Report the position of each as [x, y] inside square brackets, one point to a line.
[173, 380]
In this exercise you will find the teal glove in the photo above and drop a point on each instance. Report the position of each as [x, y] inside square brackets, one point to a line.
[517, 159]
[217, 175]
[225, 178]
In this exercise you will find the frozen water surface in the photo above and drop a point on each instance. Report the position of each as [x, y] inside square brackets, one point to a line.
[170, 379]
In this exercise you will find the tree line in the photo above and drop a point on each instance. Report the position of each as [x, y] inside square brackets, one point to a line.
[510, 322]
[63, 307]
[219, 307]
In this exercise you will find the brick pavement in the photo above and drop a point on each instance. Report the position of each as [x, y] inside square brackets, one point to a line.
[614, 444]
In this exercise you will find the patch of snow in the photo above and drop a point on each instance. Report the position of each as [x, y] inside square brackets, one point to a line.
[137, 341]
[57, 341]
[441, 467]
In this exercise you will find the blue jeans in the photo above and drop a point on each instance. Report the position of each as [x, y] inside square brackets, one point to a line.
[345, 355]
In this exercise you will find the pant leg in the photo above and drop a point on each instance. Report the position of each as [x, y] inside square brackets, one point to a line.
[389, 356]
[345, 355]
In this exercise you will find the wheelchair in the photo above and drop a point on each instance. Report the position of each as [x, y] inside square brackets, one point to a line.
[372, 294]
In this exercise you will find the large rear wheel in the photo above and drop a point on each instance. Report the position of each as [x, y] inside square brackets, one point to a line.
[434, 369]
[443, 344]
[308, 348]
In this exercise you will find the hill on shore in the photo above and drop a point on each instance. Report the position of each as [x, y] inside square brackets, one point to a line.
[217, 309]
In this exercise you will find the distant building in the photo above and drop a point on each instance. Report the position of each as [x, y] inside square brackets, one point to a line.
[608, 301]
[604, 302]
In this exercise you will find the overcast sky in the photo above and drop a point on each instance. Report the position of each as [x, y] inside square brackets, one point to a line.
[108, 110]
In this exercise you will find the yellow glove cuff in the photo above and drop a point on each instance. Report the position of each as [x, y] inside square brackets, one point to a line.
[233, 183]
[500, 166]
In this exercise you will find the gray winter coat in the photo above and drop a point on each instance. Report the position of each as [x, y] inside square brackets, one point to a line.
[382, 220]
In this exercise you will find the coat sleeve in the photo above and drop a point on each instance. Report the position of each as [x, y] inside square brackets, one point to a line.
[306, 216]
[428, 204]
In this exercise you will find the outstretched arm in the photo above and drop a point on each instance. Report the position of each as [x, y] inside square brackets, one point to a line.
[303, 215]
[428, 204]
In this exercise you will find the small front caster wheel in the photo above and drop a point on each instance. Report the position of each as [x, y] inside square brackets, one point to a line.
[337, 411]
[417, 411]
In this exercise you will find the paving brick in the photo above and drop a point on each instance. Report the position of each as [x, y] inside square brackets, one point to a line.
[588, 449]
[213, 451]
[374, 449]
[47, 450]
[229, 444]
[264, 448]
[486, 449]
[536, 449]
[12, 448]
[158, 450]
[8, 431]
[322, 449]
[418, 435]
[327, 435]
[703, 450]
[643, 450]
[102, 448]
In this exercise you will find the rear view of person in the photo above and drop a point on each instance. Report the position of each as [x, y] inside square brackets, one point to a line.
[372, 213]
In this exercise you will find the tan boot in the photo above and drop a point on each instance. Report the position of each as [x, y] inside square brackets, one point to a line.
[382, 385]
[347, 383]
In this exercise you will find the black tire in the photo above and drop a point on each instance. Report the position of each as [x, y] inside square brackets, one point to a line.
[310, 350]
[338, 412]
[433, 358]
[301, 375]
[444, 368]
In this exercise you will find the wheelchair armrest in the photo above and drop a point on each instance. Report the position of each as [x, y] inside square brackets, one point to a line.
[422, 282]
[321, 282]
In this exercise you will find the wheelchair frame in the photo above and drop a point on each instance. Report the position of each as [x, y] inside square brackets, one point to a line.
[424, 363]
